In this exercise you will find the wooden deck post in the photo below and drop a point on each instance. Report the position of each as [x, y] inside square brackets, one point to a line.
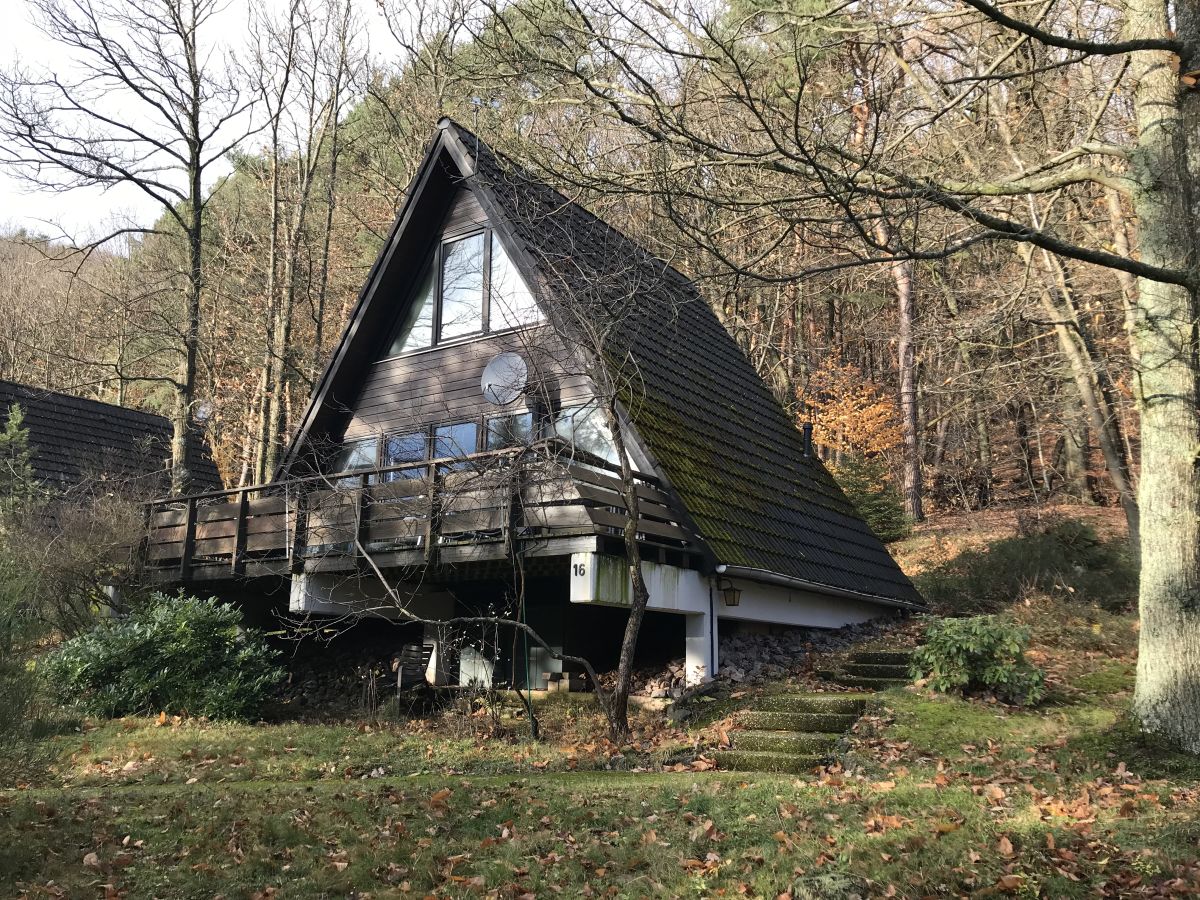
[189, 541]
[362, 516]
[300, 534]
[432, 526]
[238, 562]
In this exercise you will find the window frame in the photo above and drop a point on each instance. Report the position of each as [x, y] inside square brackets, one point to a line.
[436, 262]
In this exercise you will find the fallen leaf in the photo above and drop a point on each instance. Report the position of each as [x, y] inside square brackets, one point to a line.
[1005, 847]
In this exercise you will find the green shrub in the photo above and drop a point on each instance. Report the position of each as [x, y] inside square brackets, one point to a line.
[1064, 558]
[175, 654]
[868, 485]
[983, 653]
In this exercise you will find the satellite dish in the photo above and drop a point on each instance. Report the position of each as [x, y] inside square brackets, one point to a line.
[504, 378]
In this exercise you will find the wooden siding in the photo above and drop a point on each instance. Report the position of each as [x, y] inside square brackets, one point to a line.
[444, 385]
[464, 213]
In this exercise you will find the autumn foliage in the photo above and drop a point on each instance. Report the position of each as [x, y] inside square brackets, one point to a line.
[850, 414]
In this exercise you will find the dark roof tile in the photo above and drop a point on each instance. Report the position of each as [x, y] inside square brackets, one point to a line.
[75, 439]
[733, 456]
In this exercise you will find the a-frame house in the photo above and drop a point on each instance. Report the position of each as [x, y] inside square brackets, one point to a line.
[459, 434]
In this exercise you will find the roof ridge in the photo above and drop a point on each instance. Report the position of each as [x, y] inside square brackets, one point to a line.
[446, 122]
[48, 394]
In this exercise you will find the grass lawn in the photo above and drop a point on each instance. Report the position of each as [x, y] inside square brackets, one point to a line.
[939, 797]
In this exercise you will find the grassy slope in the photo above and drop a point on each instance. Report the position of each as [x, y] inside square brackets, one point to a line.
[943, 797]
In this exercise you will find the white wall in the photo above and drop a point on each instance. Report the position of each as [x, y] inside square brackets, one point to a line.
[604, 580]
[596, 578]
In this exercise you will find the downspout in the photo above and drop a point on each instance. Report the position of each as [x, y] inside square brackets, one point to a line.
[764, 576]
[712, 630]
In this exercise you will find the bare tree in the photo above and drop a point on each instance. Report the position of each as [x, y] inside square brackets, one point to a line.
[688, 85]
[150, 101]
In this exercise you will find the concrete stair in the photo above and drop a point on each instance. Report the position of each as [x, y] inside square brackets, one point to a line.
[790, 733]
[873, 670]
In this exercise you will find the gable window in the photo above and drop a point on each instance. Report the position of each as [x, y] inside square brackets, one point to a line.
[470, 287]
[455, 440]
[416, 329]
[462, 287]
[512, 305]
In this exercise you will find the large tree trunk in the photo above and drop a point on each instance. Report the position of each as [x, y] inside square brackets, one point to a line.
[182, 431]
[1167, 695]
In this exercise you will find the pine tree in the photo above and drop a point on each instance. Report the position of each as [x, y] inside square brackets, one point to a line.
[868, 485]
[16, 467]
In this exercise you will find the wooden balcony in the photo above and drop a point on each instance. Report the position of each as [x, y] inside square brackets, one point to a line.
[535, 501]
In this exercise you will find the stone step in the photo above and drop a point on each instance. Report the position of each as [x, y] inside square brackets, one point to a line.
[870, 684]
[794, 742]
[884, 657]
[808, 722]
[763, 761]
[875, 670]
[841, 704]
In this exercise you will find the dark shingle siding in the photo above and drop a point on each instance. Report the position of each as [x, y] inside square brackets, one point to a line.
[729, 450]
[75, 439]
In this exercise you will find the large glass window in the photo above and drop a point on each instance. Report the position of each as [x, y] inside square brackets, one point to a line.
[462, 287]
[509, 431]
[451, 294]
[355, 456]
[404, 448]
[416, 329]
[457, 439]
[585, 429]
[511, 303]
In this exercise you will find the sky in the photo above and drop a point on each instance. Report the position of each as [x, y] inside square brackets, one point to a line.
[21, 206]
[84, 212]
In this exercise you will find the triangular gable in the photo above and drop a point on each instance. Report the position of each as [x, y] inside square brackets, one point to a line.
[444, 175]
[439, 177]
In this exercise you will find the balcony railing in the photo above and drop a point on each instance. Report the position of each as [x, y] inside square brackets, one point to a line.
[436, 512]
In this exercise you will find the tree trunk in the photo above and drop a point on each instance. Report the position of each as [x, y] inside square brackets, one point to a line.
[1075, 445]
[1077, 346]
[1167, 693]
[619, 701]
[902, 275]
[182, 432]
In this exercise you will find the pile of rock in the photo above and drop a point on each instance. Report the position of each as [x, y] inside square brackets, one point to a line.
[759, 657]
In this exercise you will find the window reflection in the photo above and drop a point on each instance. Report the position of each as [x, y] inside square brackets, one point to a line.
[416, 331]
[404, 448]
[355, 456]
[462, 287]
[584, 428]
[458, 439]
[509, 431]
[512, 305]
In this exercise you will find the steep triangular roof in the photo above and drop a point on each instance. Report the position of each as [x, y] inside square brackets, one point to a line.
[722, 441]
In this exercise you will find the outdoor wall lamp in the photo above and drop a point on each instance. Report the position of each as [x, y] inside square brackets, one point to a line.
[731, 595]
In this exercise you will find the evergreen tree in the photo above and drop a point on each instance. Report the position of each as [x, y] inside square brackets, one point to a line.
[867, 484]
[16, 468]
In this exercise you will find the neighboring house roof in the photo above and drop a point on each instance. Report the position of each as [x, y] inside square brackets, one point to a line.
[74, 440]
[726, 446]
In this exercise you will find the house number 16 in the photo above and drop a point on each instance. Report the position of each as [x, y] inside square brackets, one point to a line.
[579, 570]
